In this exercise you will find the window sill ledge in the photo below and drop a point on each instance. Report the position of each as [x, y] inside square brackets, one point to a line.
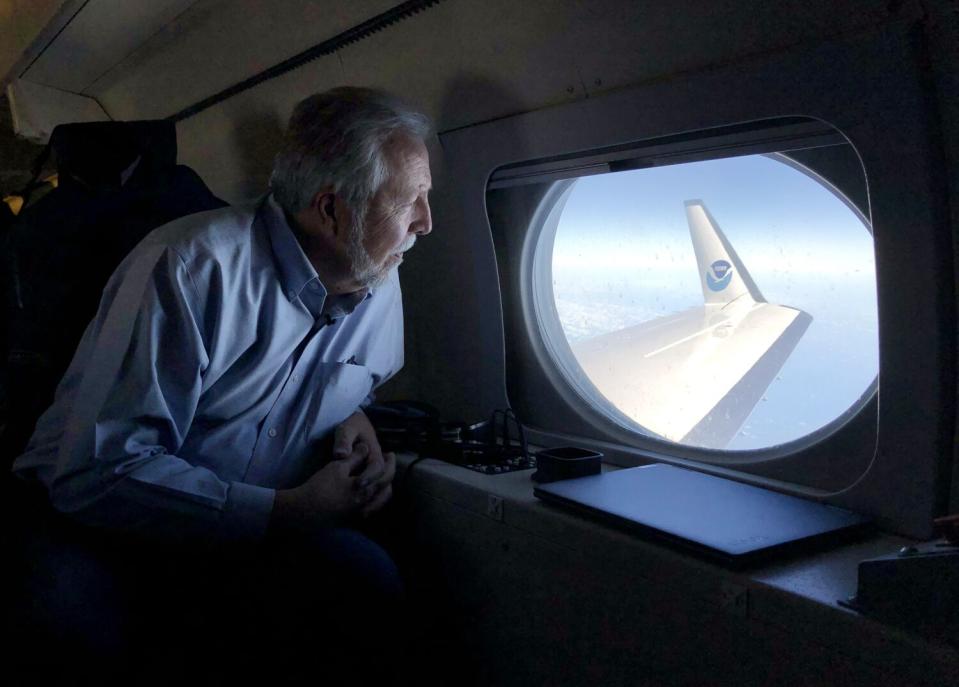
[798, 595]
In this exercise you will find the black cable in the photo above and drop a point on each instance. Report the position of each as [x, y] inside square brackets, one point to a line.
[520, 431]
[401, 487]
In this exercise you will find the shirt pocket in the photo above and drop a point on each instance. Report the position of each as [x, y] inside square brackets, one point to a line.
[343, 386]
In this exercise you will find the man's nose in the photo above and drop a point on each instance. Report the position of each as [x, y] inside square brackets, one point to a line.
[424, 223]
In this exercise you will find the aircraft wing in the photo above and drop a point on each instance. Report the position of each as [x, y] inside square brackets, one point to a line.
[694, 377]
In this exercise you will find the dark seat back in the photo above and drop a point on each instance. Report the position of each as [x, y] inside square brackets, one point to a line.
[117, 182]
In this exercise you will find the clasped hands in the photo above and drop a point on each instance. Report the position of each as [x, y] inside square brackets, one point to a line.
[357, 481]
[356, 445]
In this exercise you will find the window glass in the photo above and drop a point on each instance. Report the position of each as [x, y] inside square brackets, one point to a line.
[725, 304]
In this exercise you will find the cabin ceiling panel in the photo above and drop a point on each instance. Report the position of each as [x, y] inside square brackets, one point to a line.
[99, 37]
[21, 23]
[217, 43]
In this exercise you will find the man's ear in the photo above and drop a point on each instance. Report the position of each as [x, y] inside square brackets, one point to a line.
[331, 213]
[326, 204]
[320, 217]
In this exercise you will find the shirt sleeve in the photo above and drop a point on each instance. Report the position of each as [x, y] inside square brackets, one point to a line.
[142, 361]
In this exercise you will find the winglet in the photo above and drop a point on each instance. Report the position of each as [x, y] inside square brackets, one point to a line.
[723, 276]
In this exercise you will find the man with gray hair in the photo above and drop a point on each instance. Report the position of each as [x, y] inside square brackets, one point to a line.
[231, 344]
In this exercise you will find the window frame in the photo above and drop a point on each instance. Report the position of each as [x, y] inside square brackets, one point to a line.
[559, 362]
[869, 87]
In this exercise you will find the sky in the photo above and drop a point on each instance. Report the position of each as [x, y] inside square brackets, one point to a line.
[623, 255]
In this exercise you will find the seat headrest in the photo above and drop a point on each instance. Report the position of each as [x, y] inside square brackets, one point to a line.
[98, 153]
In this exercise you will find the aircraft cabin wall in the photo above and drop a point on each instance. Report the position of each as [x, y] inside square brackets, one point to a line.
[465, 63]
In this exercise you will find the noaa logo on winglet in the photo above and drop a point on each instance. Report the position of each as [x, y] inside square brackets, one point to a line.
[718, 276]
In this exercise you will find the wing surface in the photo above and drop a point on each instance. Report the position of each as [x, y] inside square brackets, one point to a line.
[694, 377]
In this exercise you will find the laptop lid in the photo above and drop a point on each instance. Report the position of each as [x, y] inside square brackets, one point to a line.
[738, 523]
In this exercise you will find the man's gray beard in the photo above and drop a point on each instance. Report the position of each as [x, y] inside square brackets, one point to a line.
[364, 271]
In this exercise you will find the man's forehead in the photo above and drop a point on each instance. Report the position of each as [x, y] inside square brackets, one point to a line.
[409, 160]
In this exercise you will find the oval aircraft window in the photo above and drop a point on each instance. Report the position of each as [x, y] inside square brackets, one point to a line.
[723, 304]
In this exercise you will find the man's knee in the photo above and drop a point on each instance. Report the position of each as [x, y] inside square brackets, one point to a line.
[356, 563]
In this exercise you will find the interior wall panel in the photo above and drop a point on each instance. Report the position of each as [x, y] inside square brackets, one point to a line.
[465, 61]
[218, 43]
[542, 52]
[944, 56]
[618, 44]
[231, 146]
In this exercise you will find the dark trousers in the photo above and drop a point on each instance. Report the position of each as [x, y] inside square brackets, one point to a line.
[104, 607]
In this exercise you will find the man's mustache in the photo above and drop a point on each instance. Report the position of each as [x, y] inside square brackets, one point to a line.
[407, 244]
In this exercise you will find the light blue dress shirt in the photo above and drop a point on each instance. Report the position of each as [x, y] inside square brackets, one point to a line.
[213, 368]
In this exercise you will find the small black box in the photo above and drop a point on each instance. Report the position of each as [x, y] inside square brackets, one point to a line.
[917, 588]
[566, 462]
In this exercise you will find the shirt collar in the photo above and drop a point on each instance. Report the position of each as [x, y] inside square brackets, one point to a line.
[339, 306]
[295, 271]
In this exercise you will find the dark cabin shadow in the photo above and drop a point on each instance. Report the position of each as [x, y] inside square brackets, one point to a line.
[257, 136]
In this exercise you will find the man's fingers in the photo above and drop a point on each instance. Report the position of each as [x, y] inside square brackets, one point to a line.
[386, 473]
[373, 472]
[343, 438]
[380, 492]
[376, 453]
[388, 470]
[363, 496]
[354, 459]
[381, 498]
[389, 459]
